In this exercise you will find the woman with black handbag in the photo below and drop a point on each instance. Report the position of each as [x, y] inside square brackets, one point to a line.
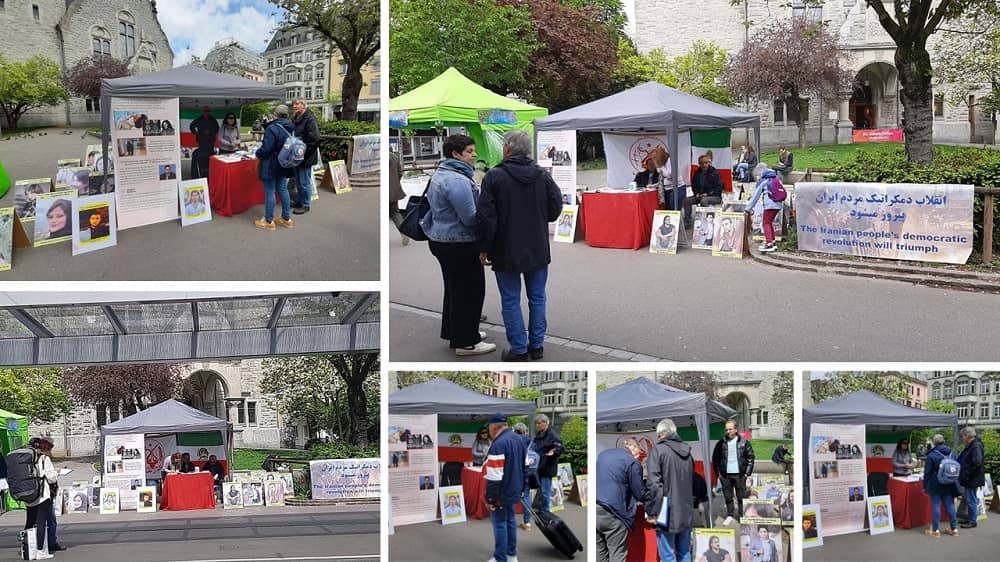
[450, 226]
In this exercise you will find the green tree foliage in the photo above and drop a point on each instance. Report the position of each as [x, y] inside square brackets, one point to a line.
[574, 437]
[335, 393]
[966, 57]
[842, 383]
[608, 12]
[921, 436]
[525, 394]
[349, 26]
[489, 43]
[27, 85]
[473, 380]
[939, 406]
[783, 395]
[38, 393]
[252, 112]
[698, 72]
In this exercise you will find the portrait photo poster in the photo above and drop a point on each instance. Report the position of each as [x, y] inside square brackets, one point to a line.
[452, 505]
[339, 176]
[728, 240]
[53, 220]
[194, 200]
[703, 222]
[811, 528]
[880, 515]
[146, 499]
[761, 542]
[109, 501]
[566, 225]
[557, 497]
[232, 495]
[581, 487]
[714, 544]
[26, 193]
[274, 493]
[94, 224]
[663, 238]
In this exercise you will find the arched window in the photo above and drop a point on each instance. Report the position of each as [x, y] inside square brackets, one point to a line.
[964, 386]
[126, 33]
[100, 39]
[319, 71]
[309, 72]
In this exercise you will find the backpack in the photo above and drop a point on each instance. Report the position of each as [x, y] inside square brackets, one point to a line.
[25, 482]
[293, 150]
[948, 471]
[776, 191]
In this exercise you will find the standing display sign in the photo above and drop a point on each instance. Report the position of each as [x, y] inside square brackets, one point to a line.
[124, 467]
[148, 158]
[413, 471]
[880, 515]
[452, 505]
[663, 238]
[557, 154]
[812, 526]
[335, 479]
[838, 476]
[365, 156]
[728, 239]
[920, 222]
[566, 225]
[195, 206]
[94, 226]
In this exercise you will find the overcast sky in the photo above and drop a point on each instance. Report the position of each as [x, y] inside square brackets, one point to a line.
[193, 26]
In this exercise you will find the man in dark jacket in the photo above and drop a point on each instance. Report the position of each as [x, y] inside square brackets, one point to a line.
[205, 129]
[973, 473]
[707, 187]
[670, 477]
[549, 447]
[504, 483]
[272, 174]
[733, 461]
[619, 487]
[307, 130]
[518, 201]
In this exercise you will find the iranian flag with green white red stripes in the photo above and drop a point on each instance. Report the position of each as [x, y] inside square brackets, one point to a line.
[189, 114]
[717, 142]
[455, 439]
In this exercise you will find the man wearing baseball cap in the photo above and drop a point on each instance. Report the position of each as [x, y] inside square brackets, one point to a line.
[504, 485]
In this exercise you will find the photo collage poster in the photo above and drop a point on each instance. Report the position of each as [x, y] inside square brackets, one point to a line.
[566, 225]
[413, 468]
[148, 158]
[452, 501]
[714, 544]
[557, 155]
[74, 179]
[703, 221]
[663, 239]
[728, 239]
[838, 476]
[93, 158]
[94, 226]
[194, 201]
[779, 495]
[124, 468]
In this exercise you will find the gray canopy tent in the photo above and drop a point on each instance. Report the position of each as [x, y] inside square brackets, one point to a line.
[639, 404]
[194, 86]
[875, 412]
[650, 107]
[169, 417]
[445, 398]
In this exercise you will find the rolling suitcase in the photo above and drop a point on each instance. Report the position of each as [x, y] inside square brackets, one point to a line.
[556, 531]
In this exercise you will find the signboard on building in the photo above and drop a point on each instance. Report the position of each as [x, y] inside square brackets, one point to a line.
[878, 135]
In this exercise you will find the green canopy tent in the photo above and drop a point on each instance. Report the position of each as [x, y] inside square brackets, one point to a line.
[452, 100]
[13, 435]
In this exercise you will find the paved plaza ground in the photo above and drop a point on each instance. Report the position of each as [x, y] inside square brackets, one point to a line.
[633, 305]
[338, 240]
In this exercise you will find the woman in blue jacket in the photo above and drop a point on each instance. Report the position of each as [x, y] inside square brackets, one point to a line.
[272, 174]
[771, 208]
[938, 491]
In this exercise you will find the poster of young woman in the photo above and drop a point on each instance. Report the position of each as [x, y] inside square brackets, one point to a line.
[94, 225]
[663, 239]
[195, 207]
[54, 222]
[452, 505]
[566, 225]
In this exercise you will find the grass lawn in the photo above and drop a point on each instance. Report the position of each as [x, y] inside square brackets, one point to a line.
[251, 459]
[763, 449]
[7, 133]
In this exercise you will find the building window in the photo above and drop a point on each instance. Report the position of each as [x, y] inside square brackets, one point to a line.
[938, 105]
[996, 409]
[571, 398]
[298, 56]
[962, 388]
[3, 4]
[93, 105]
[936, 392]
[551, 398]
[309, 73]
[126, 32]
[289, 75]
[965, 411]
[319, 96]
[779, 112]
[343, 68]
[947, 390]
[35, 13]
[319, 72]
[522, 379]
[374, 88]
[984, 387]
[534, 379]
[270, 63]
[289, 94]
[811, 14]
[279, 62]
[550, 376]
[984, 410]
[996, 386]
[309, 92]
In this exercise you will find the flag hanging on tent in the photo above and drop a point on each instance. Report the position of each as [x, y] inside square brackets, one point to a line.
[715, 142]
[189, 114]
[455, 439]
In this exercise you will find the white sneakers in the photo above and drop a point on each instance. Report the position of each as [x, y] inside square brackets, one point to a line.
[480, 348]
[482, 335]
[509, 559]
[729, 521]
[766, 247]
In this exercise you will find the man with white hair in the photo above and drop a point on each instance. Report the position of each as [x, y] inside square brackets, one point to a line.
[518, 201]
[306, 129]
[548, 446]
[973, 473]
[504, 483]
[670, 477]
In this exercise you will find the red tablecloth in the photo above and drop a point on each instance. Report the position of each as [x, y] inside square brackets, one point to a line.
[911, 507]
[183, 492]
[641, 542]
[618, 220]
[233, 187]
[474, 490]
[876, 464]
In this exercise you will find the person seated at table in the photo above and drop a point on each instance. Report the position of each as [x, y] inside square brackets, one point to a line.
[707, 187]
[186, 465]
[215, 467]
[649, 176]
[902, 459]
[172, 464]
[481, 446]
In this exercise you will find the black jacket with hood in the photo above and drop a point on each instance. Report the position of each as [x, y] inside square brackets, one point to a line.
[670, 474]
[518, 201]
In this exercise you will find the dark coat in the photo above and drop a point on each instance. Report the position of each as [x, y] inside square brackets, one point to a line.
[973, 473]
[519, 199]
[205, 130]
[931, 485]
[707, 182]
[670, 474]
[307, 129]
[645, 177]
[274, 137]
[720, 456]
[620, 484]
[545, 442]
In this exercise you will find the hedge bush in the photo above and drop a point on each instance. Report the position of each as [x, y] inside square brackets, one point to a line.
[336, 149]
[341, 450]
[952, 164]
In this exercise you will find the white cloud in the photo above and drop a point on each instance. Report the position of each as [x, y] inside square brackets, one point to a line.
[193, 26]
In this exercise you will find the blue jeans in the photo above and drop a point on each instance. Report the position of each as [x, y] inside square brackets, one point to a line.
[510, 304]
[50, 518]
[526, 504]
[270, 186]
[949, 506]
[545, 489]
[742, 170]
[972, 501]
[674, 547]
[504, 520]
[304, 181]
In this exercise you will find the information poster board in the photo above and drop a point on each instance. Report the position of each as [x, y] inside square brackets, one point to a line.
[335, 479]
[124, 467]
[920, 222]
[147, 160]
[557, 154]
[365, 157]
[414, 470]
[838, 476]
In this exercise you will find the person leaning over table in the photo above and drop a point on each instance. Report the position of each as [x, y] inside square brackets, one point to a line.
[902, 459]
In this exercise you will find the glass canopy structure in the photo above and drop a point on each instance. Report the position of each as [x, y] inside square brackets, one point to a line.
[190, 328]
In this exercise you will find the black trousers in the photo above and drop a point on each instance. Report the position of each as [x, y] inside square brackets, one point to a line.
[733, 483]
[464, 291]
[37, 517]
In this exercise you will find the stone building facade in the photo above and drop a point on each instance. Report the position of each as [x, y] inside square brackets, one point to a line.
[300, 60]
[674, 25]
[69, 30]
[975, 394]
[234, 57]
[564, 393]
[227, 390]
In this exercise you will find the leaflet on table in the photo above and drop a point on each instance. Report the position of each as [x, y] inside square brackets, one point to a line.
[147, 158]
[557, 155]
[124, 466]
[413, 468]
[838, 476]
